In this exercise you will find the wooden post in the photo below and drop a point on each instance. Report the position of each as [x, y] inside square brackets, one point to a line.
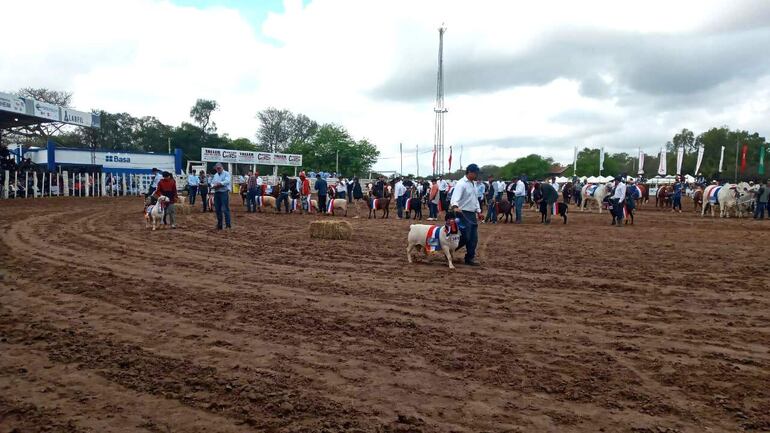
[26, 187]
[15, 184]
[104, 180]
[123, 182]
[65, 177]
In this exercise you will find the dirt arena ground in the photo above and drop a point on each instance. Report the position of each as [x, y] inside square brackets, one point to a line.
[105, 326]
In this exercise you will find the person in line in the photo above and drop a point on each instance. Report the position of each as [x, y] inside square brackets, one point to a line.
[399, 190]
[379, 187]
[617, 200]
[519, 195]
[341, 188]
[167, 186]
[192, 187]
[443, 190]
[304, 191]
[222, 184]
[480, 191]
[763, 198]
[433, 200]
[155, 177]
[283, 196]
[356, 196]
[678, 190]
[253, 189]
[203, 189]
[491, 204]
[350, 189]
[464, 200]
[549, 197]
[321, 188]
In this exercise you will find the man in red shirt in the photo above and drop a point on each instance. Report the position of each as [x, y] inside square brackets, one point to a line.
[167, 187]
[305, 191]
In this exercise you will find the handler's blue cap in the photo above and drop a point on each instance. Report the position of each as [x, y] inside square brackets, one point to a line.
[472, 168]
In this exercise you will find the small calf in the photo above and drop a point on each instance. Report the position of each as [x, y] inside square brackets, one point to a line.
[448, 237]
[561, 209]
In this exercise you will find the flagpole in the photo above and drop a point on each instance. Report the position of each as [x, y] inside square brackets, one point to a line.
[417, 158]
[401, 151]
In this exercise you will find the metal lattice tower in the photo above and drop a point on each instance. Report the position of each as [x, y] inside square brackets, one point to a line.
[440, 110]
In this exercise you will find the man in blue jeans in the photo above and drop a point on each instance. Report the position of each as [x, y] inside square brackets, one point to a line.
[763, 197]
[520, 194]
[464, 200]
[222, 184]
[192, 184]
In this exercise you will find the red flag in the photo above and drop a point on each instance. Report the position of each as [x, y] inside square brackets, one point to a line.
[450, 159]
[434, 159]
[744, 151]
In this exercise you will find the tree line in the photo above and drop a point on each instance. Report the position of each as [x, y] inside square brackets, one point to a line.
[538, 167]
[323, 146]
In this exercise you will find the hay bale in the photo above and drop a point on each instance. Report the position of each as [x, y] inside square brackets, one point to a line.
[183, 208]
[331, 230]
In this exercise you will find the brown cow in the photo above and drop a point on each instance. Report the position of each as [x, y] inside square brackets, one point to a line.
[664, 196]
[697, 199]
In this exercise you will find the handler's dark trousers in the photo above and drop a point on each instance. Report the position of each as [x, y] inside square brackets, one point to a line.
[617, 211]
[204, 191]
[759, 210]
[222, 206]
[193, 193]
[322, 203]
[283, 197]
[471, 235]
[251, 200]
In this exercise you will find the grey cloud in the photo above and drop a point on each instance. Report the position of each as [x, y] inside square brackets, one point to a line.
[651, 64]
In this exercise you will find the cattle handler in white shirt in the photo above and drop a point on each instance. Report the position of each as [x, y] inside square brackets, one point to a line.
[618, 201]
[464, 200]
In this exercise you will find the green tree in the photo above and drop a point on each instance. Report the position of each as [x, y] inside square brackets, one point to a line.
[275, 129]
[201, 113]
[534, 166]
[332, 141]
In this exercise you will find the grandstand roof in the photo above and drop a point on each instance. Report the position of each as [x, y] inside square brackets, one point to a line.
[16, 111]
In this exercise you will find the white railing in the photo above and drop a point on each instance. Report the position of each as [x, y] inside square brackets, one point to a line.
[34, 184]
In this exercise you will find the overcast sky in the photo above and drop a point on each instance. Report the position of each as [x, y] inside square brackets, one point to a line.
[521, 77]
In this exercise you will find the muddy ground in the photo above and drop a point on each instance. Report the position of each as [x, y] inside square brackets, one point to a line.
[105, 326]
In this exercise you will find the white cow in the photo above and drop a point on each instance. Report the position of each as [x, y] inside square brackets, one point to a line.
[448, 236]
[597, 195]
[725, 196]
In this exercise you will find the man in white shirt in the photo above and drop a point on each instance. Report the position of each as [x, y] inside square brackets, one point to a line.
[443, 189]
[399, 190]
[155, 177]
[618, 200]
[464, 200]
[520, 194]
[192, 186]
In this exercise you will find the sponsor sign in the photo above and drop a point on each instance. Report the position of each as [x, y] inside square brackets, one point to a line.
[249, 157]
[12, 103]
[264, 158]
[295, 160]
[46, 110]
[75, 117]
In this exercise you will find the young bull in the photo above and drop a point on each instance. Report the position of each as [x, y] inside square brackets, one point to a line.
[559, 209]
[432, 239]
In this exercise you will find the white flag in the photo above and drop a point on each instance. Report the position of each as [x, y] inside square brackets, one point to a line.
[601, 159]
[700, 159]
[662, 164]
[574, 161]
[641, 162]
[679, 159]
[721, 159]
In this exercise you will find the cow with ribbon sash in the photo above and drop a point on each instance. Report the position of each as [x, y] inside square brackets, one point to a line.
[432, 239]
[374, 204]
[594, 193]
